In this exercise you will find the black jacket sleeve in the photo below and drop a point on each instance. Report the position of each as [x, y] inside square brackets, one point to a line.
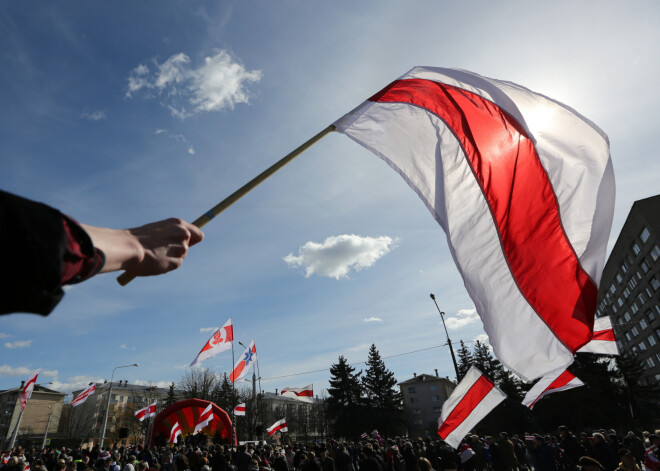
[33, 242]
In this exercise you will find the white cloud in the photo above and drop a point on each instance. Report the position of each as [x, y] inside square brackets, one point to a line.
[178, 138]
[6, 370]
[182, 366]
[336, 255]
[373, 319]
[217, 84]
[158, 384]
[18, 344]
[4, 336]
[123, 346]
[462, 318]
[97, 115]
[160, 131]
[191, 150]
[482, 338]
[74, 383]
[208, 329]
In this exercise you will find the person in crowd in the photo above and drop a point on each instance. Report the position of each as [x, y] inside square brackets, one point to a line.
[627, 462]
[543, 456]
[603, 452]
[652, 455]
[327, 463]
[587, 463]
[573, 451]
[508, 453]
[424, 465]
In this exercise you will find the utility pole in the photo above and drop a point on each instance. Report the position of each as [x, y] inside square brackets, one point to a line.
[107, 405]
[451, 348]
[43, 445]
[20, 416]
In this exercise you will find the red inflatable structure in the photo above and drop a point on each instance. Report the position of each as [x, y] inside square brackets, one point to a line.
[187, 413]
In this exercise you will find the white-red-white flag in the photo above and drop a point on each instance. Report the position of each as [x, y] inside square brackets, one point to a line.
[549, 384]
[220, 341]
[149, 411]
[279, 426]
[82, 397]
[244, 363]
[603, 340]
[175, 432]
[205, 418]
[239, 409]
[523, 187]
[305, 394]
[26, 392]
[474, 397]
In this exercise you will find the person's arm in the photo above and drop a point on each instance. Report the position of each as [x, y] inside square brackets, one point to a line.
[151, 249]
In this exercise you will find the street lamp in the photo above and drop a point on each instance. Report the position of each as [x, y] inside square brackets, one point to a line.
[451, 349]
[107, 405]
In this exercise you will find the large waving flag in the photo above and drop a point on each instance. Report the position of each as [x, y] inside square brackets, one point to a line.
[26, 392]
[239, 409]
[522, 185]
[220, 341]
[244, 363]
[305, 394]
[279, 426]
[603, 340]
[175, 432]
[205, 418]
[549, 384]
[149, 411]
[474, 397]
[82, 397]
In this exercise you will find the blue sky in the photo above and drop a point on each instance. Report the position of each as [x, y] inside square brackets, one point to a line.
[123, 113]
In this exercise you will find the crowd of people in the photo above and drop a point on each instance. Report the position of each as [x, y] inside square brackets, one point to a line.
[603, 450]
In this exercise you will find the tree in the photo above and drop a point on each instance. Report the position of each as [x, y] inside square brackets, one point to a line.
[465, 360]
[344, 399]
[485, 361]
[224, 394]
[171, 397]
[198, 383]
[382, 397]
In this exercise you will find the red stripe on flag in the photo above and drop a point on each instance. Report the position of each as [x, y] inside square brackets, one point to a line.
[521, 200]
[607, 335]
[561, 380]
[466, 405]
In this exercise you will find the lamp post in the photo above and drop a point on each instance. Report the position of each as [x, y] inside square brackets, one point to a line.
[451, 349]
[107, 405]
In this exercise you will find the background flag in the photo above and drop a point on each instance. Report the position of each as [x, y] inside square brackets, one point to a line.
[280, 426]
[26, 393]
[239, 409]
[244, 363]
[204, 419]
[220, 341]
[364, 435]
[82, 397]
[175, 432]
[474, 397]
[603, 340]
[149, 411]
[549, 384]
[523, 187]
[305, 394]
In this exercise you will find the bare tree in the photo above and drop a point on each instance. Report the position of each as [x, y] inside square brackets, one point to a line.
[198, 383]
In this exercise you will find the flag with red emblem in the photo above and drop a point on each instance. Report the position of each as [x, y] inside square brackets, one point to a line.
[26, 392]
[220, 341]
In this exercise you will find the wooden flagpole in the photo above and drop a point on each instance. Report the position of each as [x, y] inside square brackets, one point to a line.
[201, 221]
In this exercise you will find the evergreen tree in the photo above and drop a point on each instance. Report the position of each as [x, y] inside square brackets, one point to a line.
[344, 399]
[171, 397]
[224, 395]
[382, 396]
[485, 361]
[465, 360]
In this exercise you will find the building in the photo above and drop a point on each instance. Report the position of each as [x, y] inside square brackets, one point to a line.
[41, 416]
[84, 422]
[306, 421]
[423, 396]
[630, 288]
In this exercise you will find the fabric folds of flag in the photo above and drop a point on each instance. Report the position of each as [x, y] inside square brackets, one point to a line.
[239, 409]
[474, 397]
[603, 341]
[175, 432]
[523, 187]
[145, 413]
[82, 397]
[26, 392]
[244, 363]
[220, 341]
[205, 418]
[364, 435]
[552, 383]
[305, 394]
[279, 426]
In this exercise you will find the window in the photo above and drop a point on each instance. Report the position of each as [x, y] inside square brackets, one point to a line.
[614, 308]
[619, 302]
[645, 266]
[648, 292]
[634, 308]
[634, 350]
[638, 274]
[437, 410]
[624, 267]
[642, 324]
[632, 283]
[651, 340]
[629, 260]
[650, 316]
[619, 344]
[435, 398]
[655, 253]
[657, 378]
[433, 388]
[657, 357]
[644, 236]
[628, 337]
[417, 411]
[634, 331]
[411, 389]
[650, 362]
[635, 248]
[413, 400]
[655, 283]
[626, 292]
[641, 298]
[612, 288]
[626, 317]
[642, 346]
[619, 278]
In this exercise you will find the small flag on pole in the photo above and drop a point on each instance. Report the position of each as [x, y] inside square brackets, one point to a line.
[220, 341]
[364, 435]
[82, 397]
[175, 432]
[603, 340]
[204, 419]
[149, 411]
[239, 409]
[244, 363]
[279, 426]
[26, 393]
[305, 394]
[549, 384]
[474, 397]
